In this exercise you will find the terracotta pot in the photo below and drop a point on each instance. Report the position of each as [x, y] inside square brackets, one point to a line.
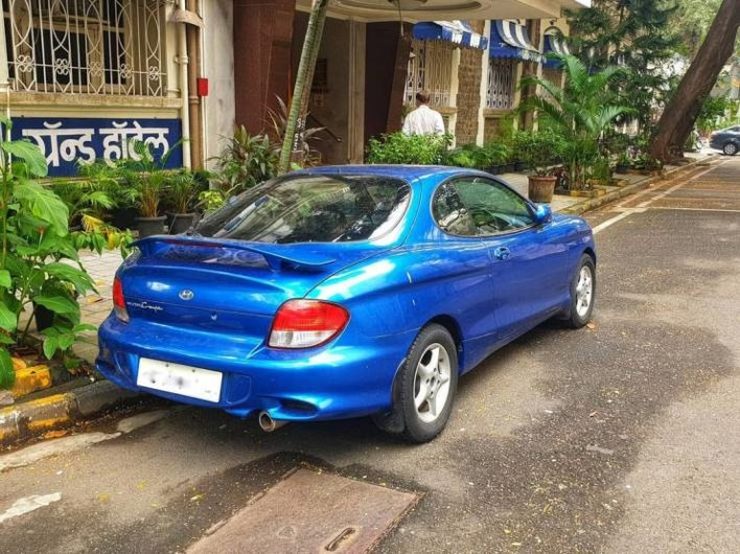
[541, 189]
[149, 226]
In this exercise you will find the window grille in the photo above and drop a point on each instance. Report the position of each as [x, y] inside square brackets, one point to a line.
[430, 69]
[501, 80]
[554, 75]
[86, 46]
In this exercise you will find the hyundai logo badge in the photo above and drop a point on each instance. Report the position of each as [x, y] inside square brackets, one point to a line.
[186, 294]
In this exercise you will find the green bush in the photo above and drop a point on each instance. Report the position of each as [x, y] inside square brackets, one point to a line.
[461, 157]
[479, 157]
[538, 149]
[580, 112]
[399, 148]
[36, 249]
[246, 161]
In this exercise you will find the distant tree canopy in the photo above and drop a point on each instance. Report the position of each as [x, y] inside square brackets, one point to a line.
[685, 106]
[691, 21]
[638, 36]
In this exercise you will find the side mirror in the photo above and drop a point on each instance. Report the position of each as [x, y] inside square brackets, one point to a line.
[542, 214]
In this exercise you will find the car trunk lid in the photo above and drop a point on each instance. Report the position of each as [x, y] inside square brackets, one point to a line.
[228, 285]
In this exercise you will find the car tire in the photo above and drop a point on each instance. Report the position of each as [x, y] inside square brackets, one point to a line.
[730, 149]
[425, 387]
[582, 293]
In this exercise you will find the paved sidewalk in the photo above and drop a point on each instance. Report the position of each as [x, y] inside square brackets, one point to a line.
[95, 307]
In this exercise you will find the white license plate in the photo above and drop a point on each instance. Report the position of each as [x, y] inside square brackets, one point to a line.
[195, 382]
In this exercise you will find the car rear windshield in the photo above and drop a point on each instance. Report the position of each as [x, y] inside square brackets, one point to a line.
[312, 208]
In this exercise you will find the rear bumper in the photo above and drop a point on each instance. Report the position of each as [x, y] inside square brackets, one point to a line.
[339, 380]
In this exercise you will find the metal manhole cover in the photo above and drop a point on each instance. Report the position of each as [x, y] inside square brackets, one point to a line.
[310, 512]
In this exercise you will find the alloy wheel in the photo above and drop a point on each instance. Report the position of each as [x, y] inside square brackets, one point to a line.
[584, 290]
[432, 383]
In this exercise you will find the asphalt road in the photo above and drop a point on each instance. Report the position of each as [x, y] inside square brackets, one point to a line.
[624, 437]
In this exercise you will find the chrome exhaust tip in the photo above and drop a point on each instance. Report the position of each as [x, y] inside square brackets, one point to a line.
[267, 424]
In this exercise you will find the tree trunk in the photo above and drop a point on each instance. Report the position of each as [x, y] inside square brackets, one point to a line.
[679, 116]
[303, 81]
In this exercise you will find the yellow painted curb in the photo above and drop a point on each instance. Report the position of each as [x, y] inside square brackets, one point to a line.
[47, 413]
[36, 416]
[31, 379]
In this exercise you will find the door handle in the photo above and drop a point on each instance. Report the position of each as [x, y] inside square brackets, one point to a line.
[502, 253]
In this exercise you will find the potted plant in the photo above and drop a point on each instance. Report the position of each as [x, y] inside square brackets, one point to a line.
[538, 149]
[623, 163]
[182, 194]
[497, 153]
[461, 157]
[149, 189]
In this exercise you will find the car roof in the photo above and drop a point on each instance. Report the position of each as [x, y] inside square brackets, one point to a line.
[409, 173]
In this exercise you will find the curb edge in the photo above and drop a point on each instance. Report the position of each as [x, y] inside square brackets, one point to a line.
[593, 203]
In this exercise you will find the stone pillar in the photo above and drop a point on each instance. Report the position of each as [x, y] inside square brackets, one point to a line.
[263, 34]
[470, 74]
[526, 118]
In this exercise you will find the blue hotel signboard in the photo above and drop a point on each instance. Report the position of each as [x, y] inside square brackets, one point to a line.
[66, 141]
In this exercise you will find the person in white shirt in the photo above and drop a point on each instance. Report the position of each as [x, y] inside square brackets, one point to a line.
[423, 120]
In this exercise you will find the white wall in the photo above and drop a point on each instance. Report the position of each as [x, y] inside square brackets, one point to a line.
[218, 68]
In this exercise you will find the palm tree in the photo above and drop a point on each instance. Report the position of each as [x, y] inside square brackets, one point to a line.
[580, 111]
[304, 77]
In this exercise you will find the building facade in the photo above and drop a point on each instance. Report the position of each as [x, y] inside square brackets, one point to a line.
[85, 78]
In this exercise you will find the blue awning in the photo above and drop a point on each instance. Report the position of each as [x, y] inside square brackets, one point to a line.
[555, 43]
[509, 39]
[457, 32]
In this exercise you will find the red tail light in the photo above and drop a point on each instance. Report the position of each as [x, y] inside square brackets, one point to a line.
[119, 302]
[306, 323]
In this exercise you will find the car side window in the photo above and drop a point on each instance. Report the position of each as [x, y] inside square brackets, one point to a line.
[493, 207]
[450, 213]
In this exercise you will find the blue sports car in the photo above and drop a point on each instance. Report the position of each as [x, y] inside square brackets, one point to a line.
[345, 291]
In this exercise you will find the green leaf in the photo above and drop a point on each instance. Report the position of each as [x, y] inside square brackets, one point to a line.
[82, 327]
[77, 277]
[7, 373]
[8, 318]
[57, 304]
[60, 246]
[44, 204]
[5, 339]
[28, 152]
[5, 281]
[66, 341]
[51, 344]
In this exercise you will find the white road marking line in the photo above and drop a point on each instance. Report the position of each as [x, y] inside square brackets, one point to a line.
[678, 186]
[694, 209]
[29, 504]
[64, 445]
[642, 206]
[609, 222]
[651, 188]
[661, 195]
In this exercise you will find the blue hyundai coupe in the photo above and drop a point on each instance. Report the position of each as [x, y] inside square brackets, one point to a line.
[345, 291]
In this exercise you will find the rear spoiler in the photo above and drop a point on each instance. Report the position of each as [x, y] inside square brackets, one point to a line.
[277, 256]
